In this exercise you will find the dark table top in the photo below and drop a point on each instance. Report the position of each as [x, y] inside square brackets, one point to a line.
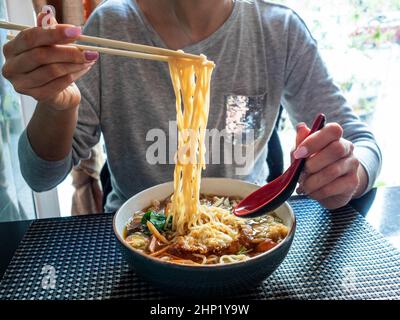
[380, 207]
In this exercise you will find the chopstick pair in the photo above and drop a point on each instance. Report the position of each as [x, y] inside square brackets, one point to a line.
[115, 52]
[115, 47]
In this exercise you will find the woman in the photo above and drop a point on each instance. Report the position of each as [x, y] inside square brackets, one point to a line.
[264, 55]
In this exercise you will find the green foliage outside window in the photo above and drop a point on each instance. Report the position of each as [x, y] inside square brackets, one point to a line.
[358, 28]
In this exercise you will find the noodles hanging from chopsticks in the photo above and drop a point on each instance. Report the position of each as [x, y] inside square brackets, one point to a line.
[191, 82]
[198, 225]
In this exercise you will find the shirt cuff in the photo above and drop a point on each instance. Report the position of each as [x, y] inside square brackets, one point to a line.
[370, 158]
[41, 175]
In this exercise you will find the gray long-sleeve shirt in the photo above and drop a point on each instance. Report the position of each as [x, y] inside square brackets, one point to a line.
[265, 57]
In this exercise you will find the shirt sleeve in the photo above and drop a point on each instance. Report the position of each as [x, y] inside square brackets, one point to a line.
[310, 89]
[42, 175]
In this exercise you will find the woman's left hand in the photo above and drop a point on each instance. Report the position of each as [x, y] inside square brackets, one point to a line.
[332, 174]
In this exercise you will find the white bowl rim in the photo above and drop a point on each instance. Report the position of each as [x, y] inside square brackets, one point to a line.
[203, 266]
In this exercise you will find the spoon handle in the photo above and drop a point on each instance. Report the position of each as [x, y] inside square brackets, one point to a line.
[318, 123]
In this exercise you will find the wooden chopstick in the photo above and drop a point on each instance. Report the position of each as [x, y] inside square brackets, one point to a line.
[154, 51]
[137, 47]
[12, 26]
[115, 52]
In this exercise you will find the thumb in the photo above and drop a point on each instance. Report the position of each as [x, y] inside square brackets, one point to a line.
[302, 132]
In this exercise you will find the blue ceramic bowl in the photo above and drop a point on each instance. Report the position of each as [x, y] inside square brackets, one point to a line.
[202, 280]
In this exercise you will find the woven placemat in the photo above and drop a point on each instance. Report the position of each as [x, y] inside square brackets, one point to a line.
[334, 256]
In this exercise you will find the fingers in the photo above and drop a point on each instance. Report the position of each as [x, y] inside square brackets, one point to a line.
[39, 64]
[343, 187]
[336, 202]
[331, 170]
[318, 140]
[335, 151]
[56, 86]
[33, 59]
[313, 182]
[53, 71]
[79, 74]
[37, 37]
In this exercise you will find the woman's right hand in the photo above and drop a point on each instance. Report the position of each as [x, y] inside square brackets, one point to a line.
[40, 64]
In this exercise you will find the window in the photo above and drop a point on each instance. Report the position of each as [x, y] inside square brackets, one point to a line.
[360, 42]
[16, 199]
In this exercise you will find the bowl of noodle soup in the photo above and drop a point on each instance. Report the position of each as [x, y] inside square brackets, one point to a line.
[182, 235]
[210, 264]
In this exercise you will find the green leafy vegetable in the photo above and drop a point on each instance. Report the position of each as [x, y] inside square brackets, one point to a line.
[242, 250]
[157, 219]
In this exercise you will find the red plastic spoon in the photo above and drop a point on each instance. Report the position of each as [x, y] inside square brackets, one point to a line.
[273, 194]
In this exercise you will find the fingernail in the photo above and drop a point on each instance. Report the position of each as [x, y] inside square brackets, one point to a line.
[91, 55]
[299, 125]
[300, 153]
[73, 32]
